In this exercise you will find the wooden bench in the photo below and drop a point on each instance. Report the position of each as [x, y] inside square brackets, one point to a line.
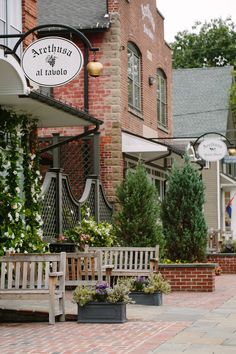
[35, 276]
[128, 261]
[83, 268]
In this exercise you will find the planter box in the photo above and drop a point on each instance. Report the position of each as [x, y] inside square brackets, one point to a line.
[190, 276]
[102, 312]
[227, 261]
[141, 298]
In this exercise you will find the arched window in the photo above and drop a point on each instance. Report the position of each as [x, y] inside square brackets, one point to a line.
[161, 99]
[134, 77]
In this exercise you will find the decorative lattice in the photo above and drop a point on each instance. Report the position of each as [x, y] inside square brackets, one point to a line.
[105, 210]
[91, 199]
[49, 211]
[70, 208]
[76, 160]
[61, 210]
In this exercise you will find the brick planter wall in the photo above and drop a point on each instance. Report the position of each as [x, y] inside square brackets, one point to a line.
[227, 261]
[190, 277]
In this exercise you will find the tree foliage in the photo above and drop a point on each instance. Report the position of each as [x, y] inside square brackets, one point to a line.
[184, 226]
[208, 44]
[233, 95]
[20, 189]
[137, 223]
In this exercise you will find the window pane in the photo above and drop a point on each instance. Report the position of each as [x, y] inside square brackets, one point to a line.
[161, 99]
[12, 41]
[137, 97]
[134, 91]
[15, 16]
[130, 64]
[2, 30]
[130, 92]
[136, 70]
[3, 10]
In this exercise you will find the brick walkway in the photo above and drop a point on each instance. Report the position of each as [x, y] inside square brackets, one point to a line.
[171, 328]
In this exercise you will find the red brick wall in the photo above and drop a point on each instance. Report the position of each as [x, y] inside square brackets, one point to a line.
[29, 17]
[155, 54]
[189, 277]
[225, 260]
[113, 5]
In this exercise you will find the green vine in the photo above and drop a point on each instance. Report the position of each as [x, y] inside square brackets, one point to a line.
[20, 219]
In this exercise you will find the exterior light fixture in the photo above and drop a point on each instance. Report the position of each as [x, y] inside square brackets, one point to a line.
[232, 151]
[94, 67]
[151, 80]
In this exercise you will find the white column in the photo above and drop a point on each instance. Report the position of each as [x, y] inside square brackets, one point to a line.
[233, 215]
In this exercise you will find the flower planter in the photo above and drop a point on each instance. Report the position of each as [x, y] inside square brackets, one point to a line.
[142, 298]
[102, 312]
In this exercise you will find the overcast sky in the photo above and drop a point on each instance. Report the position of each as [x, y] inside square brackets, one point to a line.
[180, 15]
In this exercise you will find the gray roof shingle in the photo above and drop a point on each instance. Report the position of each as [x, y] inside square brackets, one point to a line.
[81, 14]
[201, 100]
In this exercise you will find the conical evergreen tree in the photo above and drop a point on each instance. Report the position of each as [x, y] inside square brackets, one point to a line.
[137, 223]
[184, 225]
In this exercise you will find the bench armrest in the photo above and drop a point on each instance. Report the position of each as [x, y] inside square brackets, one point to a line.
[56, 274]
[108, 267]
[153, 264]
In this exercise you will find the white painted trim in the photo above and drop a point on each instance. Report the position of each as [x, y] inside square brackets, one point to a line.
[218, 195]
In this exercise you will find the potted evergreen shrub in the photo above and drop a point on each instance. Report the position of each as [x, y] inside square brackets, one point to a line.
[148, 291]
[101, 303]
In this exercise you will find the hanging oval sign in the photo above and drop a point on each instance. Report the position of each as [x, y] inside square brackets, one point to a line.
[212, 150]
[52, 61]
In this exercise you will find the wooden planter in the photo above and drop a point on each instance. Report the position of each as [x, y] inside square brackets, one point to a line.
[141, 298]
[102, 312]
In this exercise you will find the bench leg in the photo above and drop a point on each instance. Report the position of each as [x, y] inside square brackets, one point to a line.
[62, 316]
[52, 303]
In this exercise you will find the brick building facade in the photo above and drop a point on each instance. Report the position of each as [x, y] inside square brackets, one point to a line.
[135, 24]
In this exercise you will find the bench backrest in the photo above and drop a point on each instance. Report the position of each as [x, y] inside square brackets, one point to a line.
[30, 270]
[83, 268]
[127, 258]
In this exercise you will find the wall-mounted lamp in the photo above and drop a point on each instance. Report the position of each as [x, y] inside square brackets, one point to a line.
[232, 151]
[94, 67]
[151, 80]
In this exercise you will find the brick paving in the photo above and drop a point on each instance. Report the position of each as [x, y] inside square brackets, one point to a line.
[184, 324]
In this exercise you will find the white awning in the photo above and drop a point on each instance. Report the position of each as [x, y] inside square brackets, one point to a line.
[49, 112]
[141, 147]
[12, 79]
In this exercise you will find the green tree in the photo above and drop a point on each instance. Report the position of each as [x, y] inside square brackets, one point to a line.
[184, 226]
[137, 222]
[233, 94]
[208, 44]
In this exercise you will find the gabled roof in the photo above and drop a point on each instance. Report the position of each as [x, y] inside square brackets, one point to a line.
[81, 14]
[201, 100]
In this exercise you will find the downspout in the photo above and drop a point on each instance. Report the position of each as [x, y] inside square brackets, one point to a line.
[86, 94]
